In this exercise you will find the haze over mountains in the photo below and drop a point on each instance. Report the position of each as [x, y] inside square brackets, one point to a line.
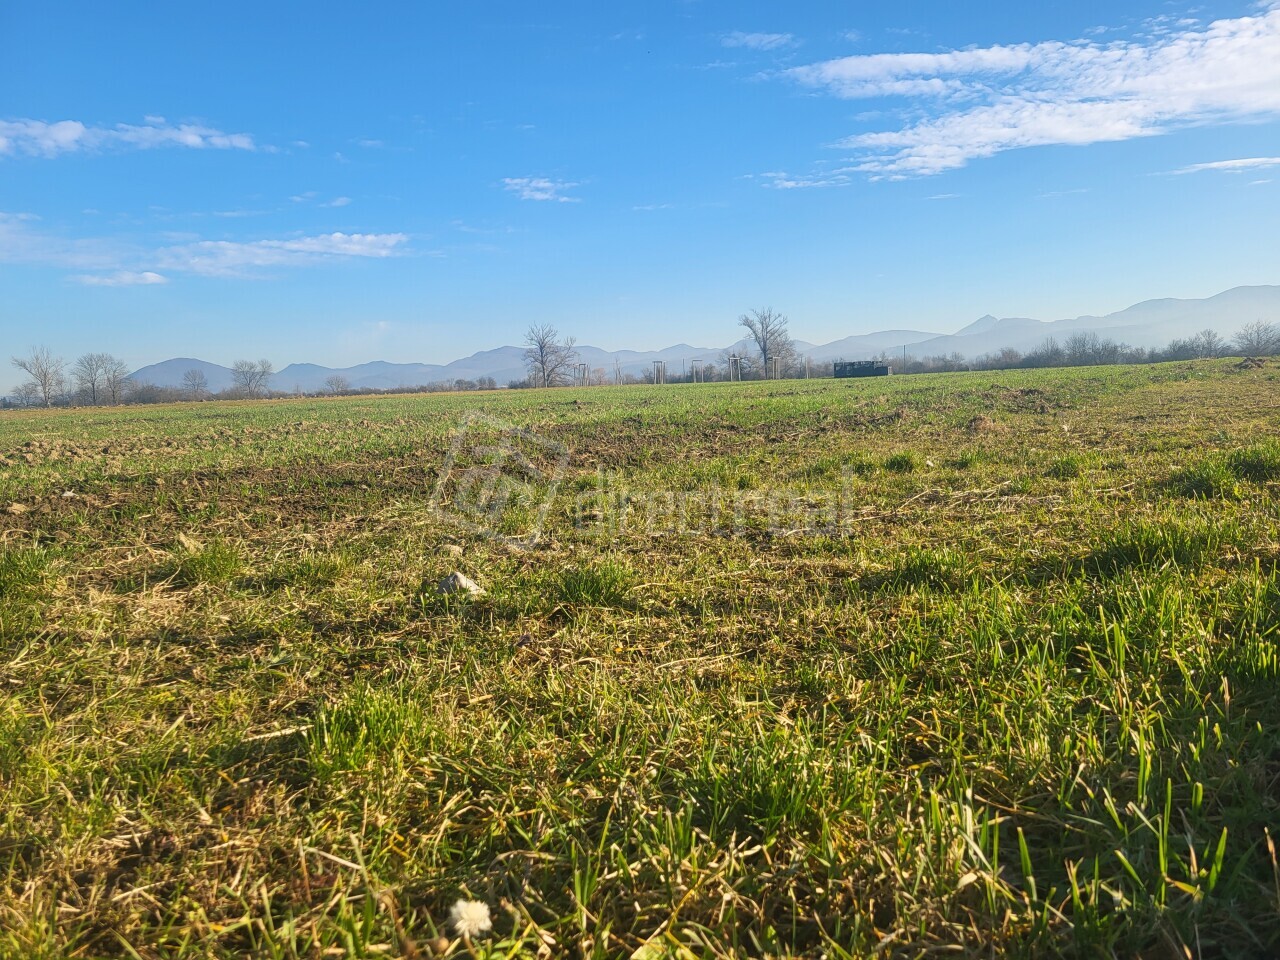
[1150, 324]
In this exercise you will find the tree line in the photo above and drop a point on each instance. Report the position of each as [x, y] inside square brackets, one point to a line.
[768, 352]
[99, 379]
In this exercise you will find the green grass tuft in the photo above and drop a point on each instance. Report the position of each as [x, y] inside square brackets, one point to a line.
[904, 461]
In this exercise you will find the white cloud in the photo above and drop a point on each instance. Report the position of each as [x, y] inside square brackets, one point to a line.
[43, 139]
[21, 242]
[540, 188]
[1233, 166]
[982, 101]
[227, 258]
[759, 41]
[337, 202]
[112, 263]
[124, 278]
[781, 180]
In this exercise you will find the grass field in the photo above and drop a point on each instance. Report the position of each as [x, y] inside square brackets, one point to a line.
[978, 664]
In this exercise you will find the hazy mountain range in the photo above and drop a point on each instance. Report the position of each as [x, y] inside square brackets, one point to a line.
[1152, 323]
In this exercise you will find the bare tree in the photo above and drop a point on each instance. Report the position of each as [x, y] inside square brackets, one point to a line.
[89, 374]
[768, 329]
[195, 384]
[548, 358]
[47, 373]
[1258, 339]
[337, 384]
[115, 379]
[27, 394]
[1209, 343]
[251, 379]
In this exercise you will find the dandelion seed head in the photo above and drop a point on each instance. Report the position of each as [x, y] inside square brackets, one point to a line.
[470, 918]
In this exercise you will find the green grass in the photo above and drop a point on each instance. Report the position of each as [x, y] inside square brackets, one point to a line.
[794, 669]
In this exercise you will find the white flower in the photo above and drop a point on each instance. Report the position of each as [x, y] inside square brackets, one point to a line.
[470, 918]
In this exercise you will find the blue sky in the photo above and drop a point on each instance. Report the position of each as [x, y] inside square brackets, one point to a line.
[329, 183]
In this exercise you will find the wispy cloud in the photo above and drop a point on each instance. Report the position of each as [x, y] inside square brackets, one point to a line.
[103, 262]
[41, 138]
[781, 180]
[541, 188]
[123, 278]
[23, 241]
[1243, 165]
[759, 41]
[227, 258]
[980, 102]
[337, 202]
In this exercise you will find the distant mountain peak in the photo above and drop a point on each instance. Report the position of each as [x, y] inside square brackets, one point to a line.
[981, 325]
[1151, 324]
